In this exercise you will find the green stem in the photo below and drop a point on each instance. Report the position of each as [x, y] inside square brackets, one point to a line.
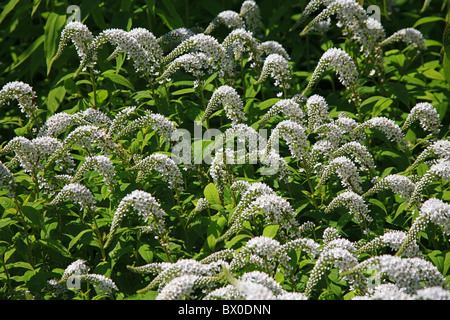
[8, 280]
[94, 87]
[97, 231]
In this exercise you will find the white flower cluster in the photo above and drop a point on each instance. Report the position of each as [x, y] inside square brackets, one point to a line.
[294, 135]
[231, 101]
[23, 93]
[389, 291]
[162, 164]
[433, 211]
[317, 109]
[427, 115]
[278, 68]
[168, 272]
[229, 18]
[290, 109]
[80, 36]
[439, 170]
[358, 152]
[410, 36]
[341, 63]
[394, 240]
[410, 274]
[79, 270]
[269, 254]
[202, 204]
[158, 122]
[355, 204]
[144, 61]
[401, 185]
[75, 192]
[346, 170]
[146, 206]
[205, 48]
[439, 149]
[251, 14]
[103, 165]
[387, 126]
[238, 42]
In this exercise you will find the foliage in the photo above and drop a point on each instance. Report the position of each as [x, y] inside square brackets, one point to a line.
[95, 204]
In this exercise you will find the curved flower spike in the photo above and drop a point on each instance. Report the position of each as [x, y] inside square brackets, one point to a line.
[346, 170]
[200, 42]
[340, 62]
[148, 42]
[355, 204]
[157, 121]
[410, 36]
[439, 149]
[317, 109]
[277, 67]
[359, 153]
[103, 165]
[23, 93]
[411, 274]
[433, 211]
[267, 48]
[231, 101]
[392, 131]
[80, 36]
[164, 165]
[312, 6]
[229, 18]
[276, 210]
[392, 239]
[146, 207]
[439, 170]
[289, 107]
[399, 184]
[427, 115]
[293, 134]
[77, 193]
[194, 63]
[125, 42]
[251, 14]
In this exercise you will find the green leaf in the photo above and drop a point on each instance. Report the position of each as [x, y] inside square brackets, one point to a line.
[7, 9]
[56, 246]
[34, 215]
[438, 259]
[271, 230]
[77, 238]
[211, 194]
[427, 20]
[52, 28]
[28, 52]
[446, 41]
[54, 99]
[215, 230]
[119, 79]
[446, 67]
[146, 253]
[378, 204]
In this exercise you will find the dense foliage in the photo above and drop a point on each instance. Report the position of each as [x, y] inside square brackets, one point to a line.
[124, 173]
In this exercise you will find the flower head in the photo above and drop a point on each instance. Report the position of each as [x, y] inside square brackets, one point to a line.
[427, 116]
[23, 93]
[341, 63]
